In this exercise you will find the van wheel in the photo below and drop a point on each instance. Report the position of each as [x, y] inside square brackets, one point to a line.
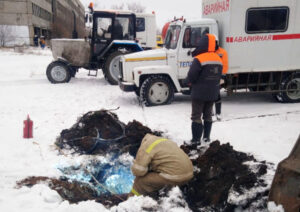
[58, 72]
[157, 90]
[137, 91]
[112, 67]
[277, 97]
[291, 87]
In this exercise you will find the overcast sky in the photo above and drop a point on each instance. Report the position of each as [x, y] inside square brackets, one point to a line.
[165, 10]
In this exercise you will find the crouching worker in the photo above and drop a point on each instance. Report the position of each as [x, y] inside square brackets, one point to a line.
[159, 162]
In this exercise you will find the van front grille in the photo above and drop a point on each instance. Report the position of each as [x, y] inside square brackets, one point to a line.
[121, 70]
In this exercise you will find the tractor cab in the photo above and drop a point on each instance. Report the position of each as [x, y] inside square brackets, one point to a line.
[108, 27]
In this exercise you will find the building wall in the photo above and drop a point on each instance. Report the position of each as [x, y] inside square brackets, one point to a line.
[14, 22]
[50, 18]
[13, 12]
[64, 18]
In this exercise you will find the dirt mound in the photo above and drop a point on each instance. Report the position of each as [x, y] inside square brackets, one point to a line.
[222, 175]
[99, 132]
[220, 172]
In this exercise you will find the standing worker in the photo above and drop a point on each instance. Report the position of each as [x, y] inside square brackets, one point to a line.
[159, 162]
[42, 42]
[204, 76]
[36, 40]
[224, 56]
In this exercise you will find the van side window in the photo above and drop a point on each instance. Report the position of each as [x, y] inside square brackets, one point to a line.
[140, 24]
[192, 36]
[267, 20]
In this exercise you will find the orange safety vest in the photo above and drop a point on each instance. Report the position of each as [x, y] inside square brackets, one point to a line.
[209, 58]
[224, 56]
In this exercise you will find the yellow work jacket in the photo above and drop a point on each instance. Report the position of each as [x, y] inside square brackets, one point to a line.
[160, 155]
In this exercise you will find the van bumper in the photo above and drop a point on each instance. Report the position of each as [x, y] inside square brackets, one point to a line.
[127, 86]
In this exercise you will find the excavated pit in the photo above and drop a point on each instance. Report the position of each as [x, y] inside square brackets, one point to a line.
[222, 175]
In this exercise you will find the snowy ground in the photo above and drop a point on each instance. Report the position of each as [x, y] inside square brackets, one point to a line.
[24, 89]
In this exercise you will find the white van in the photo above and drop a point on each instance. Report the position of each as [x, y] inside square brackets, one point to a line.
[262, 39]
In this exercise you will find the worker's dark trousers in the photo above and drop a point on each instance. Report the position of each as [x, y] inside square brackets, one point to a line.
[201, 108]
[151, 182]
[218, 105]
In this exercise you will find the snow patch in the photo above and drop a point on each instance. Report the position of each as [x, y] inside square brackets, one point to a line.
[136, 204]
[272, 207]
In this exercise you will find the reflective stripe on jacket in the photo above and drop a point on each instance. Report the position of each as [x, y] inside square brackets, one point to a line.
[163, 156]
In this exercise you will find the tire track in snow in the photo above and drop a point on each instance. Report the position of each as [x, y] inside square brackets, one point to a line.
[260, 116]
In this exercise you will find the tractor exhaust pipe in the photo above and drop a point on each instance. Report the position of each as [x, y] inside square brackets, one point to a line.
[74, 33]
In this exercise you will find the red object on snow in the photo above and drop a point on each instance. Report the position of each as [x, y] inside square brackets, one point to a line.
[28, 128]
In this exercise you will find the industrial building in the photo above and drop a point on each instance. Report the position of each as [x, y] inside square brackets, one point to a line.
[21, 20]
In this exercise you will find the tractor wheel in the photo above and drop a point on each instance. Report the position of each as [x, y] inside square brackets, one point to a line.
[157, 90]
[58, 72]
[74, 71]
[291, 89]
[112, 67]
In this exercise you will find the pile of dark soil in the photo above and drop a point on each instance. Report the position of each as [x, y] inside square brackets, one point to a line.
[100, 132]
[219, 170]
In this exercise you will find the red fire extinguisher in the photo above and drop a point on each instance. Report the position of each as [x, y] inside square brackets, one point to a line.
[28, 128]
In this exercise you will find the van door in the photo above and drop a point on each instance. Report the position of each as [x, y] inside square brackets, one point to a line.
[190, 41]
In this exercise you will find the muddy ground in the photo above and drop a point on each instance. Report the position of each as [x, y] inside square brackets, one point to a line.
[220, 171]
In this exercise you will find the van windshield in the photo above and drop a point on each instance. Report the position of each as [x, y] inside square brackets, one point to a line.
[172, 37]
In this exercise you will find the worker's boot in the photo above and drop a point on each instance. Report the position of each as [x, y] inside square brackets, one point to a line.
[197, 129]
[218, 106]
[207, 129]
